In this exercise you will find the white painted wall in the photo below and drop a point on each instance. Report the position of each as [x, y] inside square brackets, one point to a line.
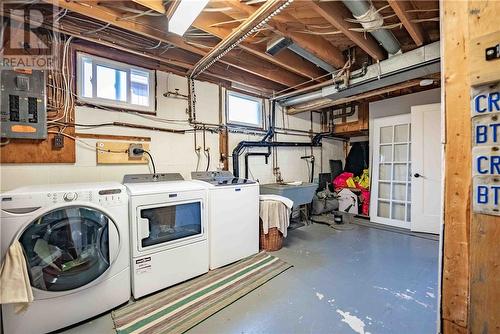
[399, 105]
[172, 152]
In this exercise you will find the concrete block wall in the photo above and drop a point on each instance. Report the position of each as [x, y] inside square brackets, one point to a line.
[172, 152]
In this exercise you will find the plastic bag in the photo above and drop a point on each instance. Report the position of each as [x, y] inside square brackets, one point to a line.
[341, 181]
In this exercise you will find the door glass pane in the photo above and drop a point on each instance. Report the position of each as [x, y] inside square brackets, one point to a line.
[67, 248]
[385, 172]
[384, 190]
[400, 171]
[398, 211]
[401, 152]
[401, 133]
[408, 198]
[173, 222]
[393, 193]
[408, 212]
[383, 209]
[399, 191]
[386, 134]
[111, 83]
[385, 153]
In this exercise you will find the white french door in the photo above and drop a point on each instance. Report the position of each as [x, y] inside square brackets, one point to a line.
[427, 164]
[391, 181]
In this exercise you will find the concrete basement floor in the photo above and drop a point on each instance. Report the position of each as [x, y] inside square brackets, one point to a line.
[364, 280]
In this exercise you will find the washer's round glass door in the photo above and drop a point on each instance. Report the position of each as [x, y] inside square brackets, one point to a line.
[67, 248]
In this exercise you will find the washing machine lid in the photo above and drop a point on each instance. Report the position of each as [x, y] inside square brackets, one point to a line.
[149, 188]
[220, 178]
[158, 177]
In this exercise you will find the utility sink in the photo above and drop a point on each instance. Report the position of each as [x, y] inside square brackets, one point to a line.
[300, 194]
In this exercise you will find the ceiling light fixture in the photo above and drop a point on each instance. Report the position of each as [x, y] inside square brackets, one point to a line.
[184, 15]
[426, 82]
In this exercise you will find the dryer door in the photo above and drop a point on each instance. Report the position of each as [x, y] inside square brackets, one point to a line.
[69, 247]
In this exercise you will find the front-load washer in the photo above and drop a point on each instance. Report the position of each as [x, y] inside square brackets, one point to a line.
[75, 238]
[169, 239]
[234, 216]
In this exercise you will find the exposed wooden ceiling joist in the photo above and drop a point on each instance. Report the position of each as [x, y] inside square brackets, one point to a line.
[316, 45]
[401, 8]
[234, 38]
[286, 59]
[107, 15]
[335, 13]
[171, 8]
[156, 5]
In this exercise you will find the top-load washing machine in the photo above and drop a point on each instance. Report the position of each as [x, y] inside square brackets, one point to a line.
[75, 238]
[234, 216]
[169, 238]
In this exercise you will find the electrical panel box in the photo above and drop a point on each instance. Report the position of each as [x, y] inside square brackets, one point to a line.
[23, 107]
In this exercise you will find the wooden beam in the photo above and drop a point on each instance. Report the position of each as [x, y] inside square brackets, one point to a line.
[235, 36]
[457, 166]
[156, 5]
[316, 45]
[415, 30]
[171, 8]
[251, 64]
[335, 13]
[107, 15]
[286, 59]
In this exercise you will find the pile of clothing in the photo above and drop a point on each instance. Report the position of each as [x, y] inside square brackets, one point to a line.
[362, 182]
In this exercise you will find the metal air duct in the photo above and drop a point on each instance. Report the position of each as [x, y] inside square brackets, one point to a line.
[410, 65]
[370, 19]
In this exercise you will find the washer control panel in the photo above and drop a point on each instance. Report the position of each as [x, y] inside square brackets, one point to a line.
[105, 197]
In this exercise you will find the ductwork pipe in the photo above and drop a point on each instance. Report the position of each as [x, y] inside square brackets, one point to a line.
[369, 18]
[302, 98]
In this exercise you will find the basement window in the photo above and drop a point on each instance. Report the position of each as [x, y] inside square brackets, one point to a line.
[243, 110]
[110, 83]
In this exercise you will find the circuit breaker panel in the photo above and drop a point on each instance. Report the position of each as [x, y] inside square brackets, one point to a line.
[23, 104]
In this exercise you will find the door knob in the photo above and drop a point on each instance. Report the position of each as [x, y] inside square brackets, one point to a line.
[417, 175]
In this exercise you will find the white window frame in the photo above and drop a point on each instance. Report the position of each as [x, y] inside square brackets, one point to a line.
[121, 67]
[247, 97]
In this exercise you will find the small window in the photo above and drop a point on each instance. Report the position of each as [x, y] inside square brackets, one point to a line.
[114, 84]
[243, 110]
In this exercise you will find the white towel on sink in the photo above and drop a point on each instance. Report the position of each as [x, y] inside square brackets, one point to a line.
[275, 212]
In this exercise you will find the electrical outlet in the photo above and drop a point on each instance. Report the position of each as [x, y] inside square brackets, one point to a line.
[58, 141]
[131, 153]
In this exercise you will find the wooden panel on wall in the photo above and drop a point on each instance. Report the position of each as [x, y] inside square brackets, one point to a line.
[484, 31]
[38, 151]
[117, 153]
[471, 261]
[481, 70]
[356, 128]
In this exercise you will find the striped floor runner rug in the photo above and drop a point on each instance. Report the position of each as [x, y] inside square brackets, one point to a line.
[177, 309]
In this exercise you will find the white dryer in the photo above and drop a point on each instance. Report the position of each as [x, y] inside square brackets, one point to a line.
[76, 241]
[169, 238]
[234, 216]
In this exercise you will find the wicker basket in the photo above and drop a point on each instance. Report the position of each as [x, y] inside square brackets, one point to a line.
[272, 241]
